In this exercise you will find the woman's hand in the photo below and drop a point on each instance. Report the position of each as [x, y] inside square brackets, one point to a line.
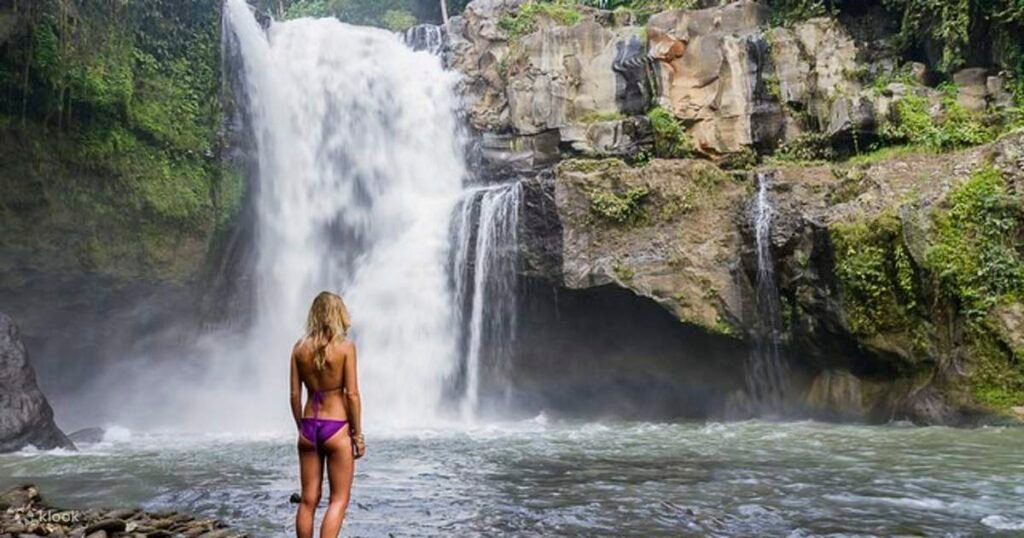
[358, 446]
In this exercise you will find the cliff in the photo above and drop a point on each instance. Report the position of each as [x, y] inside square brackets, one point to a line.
[896, 243]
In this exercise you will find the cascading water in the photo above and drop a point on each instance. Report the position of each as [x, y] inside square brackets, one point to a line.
[485, 262]
[360, 167]
[766, 374]
[428, 37]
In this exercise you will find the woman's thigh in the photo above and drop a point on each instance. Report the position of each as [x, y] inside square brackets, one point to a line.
[340, 464]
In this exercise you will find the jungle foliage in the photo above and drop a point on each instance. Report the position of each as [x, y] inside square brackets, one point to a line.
[120, 101]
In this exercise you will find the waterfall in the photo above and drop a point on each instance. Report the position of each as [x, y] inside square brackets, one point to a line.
[766, 374]
[360, 169]
[485, 263]
[428, 37]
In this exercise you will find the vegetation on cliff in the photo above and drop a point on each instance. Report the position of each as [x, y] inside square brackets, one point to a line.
[112, 113]
[972, 267]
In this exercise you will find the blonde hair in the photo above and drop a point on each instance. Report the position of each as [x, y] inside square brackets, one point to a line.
[328, 319]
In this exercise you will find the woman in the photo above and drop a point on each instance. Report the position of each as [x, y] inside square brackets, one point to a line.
[330, 425]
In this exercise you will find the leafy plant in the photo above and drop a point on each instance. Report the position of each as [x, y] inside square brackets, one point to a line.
[523, 21]
[670, 139]
[620, 208]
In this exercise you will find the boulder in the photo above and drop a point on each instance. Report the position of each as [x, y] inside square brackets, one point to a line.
[87, 435]
[25, 416]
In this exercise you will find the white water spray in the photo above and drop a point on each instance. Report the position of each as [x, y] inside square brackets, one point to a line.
[360, 167]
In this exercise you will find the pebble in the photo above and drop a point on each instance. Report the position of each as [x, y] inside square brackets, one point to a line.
[20, 504]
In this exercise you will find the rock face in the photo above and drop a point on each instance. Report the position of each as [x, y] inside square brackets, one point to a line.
[25, 416]
[734, 82]
[858, 253]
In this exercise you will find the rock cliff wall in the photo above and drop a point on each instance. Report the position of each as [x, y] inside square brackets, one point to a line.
[897, 252]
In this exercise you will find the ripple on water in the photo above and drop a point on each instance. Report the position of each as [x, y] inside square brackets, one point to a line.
[577, 479]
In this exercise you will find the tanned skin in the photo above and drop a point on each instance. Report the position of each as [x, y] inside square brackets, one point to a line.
[339, 451]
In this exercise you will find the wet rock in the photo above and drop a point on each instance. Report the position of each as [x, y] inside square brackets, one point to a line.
[107, 525]
[87, 435]
[26, 418]
[22, 516]
[18, 497]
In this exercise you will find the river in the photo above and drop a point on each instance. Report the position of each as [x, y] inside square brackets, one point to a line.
[544, 477]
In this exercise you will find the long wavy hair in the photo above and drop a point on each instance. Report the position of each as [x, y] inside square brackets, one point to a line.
[328, 319]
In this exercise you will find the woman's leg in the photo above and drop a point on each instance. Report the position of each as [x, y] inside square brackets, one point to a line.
[340, 467]
[311, 473]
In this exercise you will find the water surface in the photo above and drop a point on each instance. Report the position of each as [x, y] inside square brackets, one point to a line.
[545, 478]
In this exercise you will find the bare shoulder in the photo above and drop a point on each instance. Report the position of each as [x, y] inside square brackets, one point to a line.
[299, 348]
[348, 347]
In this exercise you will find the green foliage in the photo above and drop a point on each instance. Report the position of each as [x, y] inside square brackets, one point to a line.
[997, 376]
[977, 253]
[955, 127]
[787, 12]
[523, 21]
[620, 208]
[876, 275]
[670, 139]
[589, 166]
[809, 147]
[395, 15]
[127, 92]
[597, 117]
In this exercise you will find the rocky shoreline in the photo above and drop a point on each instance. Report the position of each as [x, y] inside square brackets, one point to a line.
[26, 513]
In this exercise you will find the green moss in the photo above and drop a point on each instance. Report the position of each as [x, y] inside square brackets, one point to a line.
[976, 255]
[596, 117]
[589, 166]
[620, 208]
[789, 12]
[623, 272]
[773, 88]
[118, 119]
[876, 276]
[523, 21]
[744, 159]
[670, 139]
[807, 148]
[997, 374]
[956, 127]
[887, 153]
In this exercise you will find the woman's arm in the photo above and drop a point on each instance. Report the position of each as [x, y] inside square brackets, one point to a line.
[295, 394]
[355, 406]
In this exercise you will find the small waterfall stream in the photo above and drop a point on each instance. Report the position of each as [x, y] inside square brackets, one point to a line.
[766, 372]
[484, 265]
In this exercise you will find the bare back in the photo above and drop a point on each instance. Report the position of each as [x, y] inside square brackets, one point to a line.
[329, 379]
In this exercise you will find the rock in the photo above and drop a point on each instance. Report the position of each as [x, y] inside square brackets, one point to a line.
[972, 86]
[836, 395]
[18, 497]
[88, 435]
[709, 63]
[1019, 411]
[616, 138]
[25, 416]
[295, 498]
[678, 249]
[109, 525]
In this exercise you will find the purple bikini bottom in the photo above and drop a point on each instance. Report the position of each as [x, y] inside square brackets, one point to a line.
[318, 430]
